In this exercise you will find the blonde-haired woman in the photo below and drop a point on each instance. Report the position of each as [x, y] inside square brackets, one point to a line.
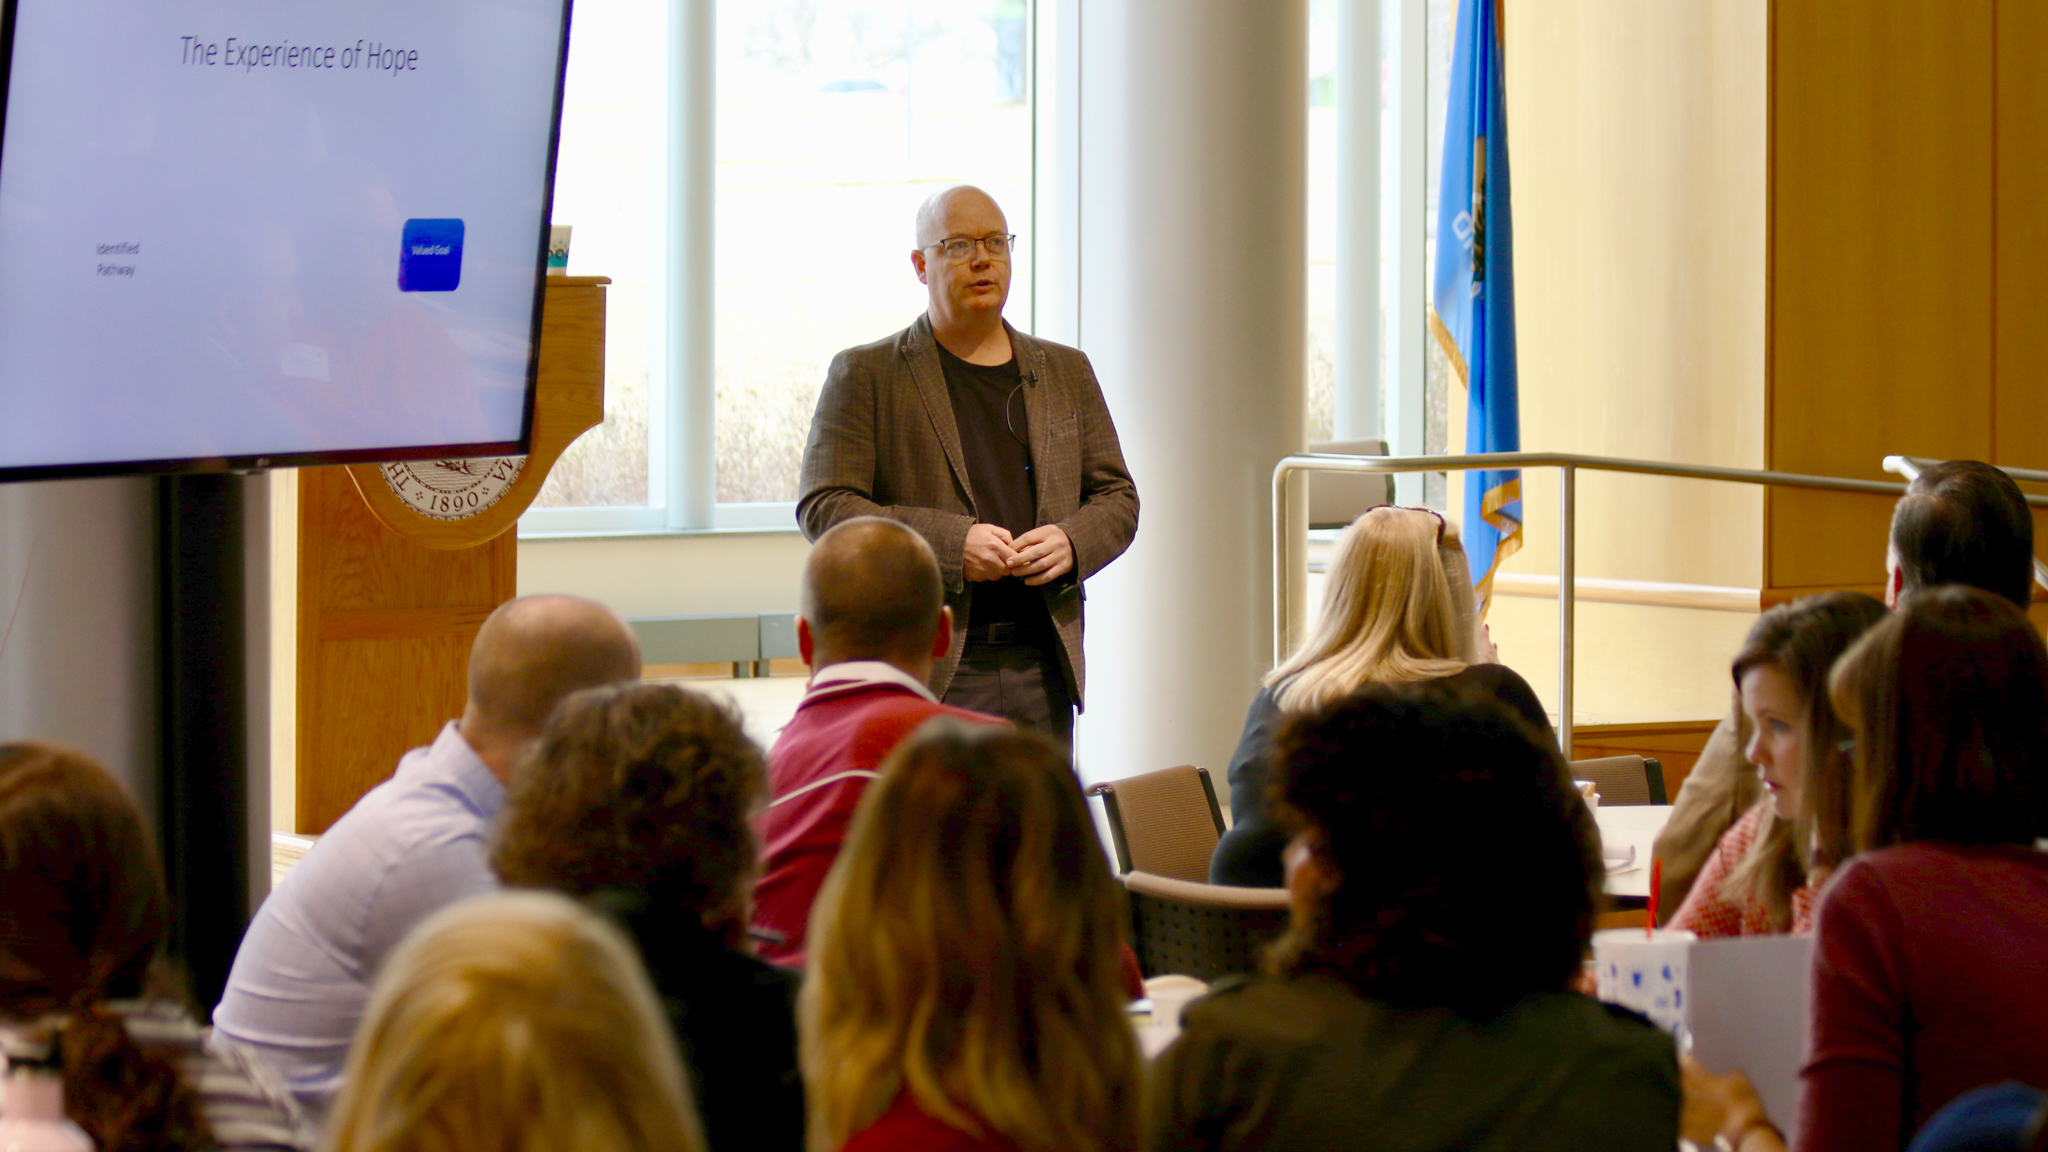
[1398, 606]
[517, 1022]
[964, 990]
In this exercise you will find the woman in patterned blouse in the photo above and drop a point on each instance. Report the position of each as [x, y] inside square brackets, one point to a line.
[1767, 869]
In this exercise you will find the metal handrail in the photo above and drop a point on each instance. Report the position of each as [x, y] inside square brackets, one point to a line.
[1911, 466]
[1287, 552]
[1897, 465]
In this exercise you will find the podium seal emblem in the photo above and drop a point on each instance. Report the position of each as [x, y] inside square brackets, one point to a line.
[452, 489]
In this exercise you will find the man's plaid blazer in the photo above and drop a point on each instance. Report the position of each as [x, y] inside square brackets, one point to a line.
[884, 443]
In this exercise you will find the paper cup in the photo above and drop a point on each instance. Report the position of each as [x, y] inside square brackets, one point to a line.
[1170, 994]
[558, 248]
[1645, 972]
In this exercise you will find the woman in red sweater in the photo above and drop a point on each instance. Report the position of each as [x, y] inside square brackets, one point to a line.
[1930, 959]
[965, 986]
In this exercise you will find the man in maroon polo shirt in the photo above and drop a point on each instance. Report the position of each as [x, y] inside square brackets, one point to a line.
[873, 621]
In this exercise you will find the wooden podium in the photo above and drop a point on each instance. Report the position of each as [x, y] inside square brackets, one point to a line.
[389, 598]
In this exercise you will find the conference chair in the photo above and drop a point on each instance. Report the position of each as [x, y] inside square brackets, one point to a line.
[1201, 930]
[1624, 780]
[1335, 499]
[1165, 822]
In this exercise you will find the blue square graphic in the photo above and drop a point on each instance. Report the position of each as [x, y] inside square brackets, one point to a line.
[430, 256]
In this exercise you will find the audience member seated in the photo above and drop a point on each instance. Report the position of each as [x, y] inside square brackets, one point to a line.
[1398, 607]
[514, 1022]
[410, 846]
[638, 799]
[1420, 991]
[1960, 522]
[1930, 954]
[964, 991]
[83, 921]
[873, 621]
[1767, 870]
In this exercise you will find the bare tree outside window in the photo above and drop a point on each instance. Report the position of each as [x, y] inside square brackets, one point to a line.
[780, 35]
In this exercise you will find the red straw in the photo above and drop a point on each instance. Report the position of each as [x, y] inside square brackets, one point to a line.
[1656, 882]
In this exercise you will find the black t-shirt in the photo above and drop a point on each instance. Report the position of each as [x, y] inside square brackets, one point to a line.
[995, 436]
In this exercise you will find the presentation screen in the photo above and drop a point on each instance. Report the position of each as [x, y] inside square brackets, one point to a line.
[246, 233]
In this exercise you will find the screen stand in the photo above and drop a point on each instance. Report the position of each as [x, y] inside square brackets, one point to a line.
[203, 723]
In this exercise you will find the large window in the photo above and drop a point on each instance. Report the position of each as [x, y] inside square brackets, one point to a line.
[1322, 219]
[835, 119]
[1378, 73]
[609, 182]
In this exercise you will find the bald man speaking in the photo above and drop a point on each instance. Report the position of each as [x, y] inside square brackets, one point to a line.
[410, 846]
[998, 449]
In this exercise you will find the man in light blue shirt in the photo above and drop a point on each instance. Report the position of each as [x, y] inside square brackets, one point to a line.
[410, 846]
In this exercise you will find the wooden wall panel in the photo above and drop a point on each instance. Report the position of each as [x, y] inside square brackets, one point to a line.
[1881, 261]
[2020, 247]
[2019, 431]
[384, 632]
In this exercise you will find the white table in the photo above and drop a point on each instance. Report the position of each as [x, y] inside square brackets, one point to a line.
[1635, 826]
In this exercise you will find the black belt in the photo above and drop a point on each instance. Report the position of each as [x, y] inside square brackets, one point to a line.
[1006, 632]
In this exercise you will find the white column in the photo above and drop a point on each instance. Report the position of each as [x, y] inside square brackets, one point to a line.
[1193, 280]
[1358, 414]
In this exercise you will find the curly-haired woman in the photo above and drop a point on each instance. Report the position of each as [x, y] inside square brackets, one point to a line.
[638, 798]
[1420, 992]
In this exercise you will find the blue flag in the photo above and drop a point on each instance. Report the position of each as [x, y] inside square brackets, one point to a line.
[1473, 298]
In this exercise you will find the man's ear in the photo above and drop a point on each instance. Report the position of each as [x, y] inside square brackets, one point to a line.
[806, 644]
[917, 263]
[1894, 581]
[942, 636]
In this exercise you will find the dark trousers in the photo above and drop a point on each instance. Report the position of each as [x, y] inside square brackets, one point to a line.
[1015, 676]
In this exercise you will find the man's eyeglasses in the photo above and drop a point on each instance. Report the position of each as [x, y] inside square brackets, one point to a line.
[959, 248]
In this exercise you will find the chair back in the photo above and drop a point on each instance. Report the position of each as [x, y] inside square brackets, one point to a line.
[1165, 822]
[1629, 781]
[1201, 930]
[1335, 499]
